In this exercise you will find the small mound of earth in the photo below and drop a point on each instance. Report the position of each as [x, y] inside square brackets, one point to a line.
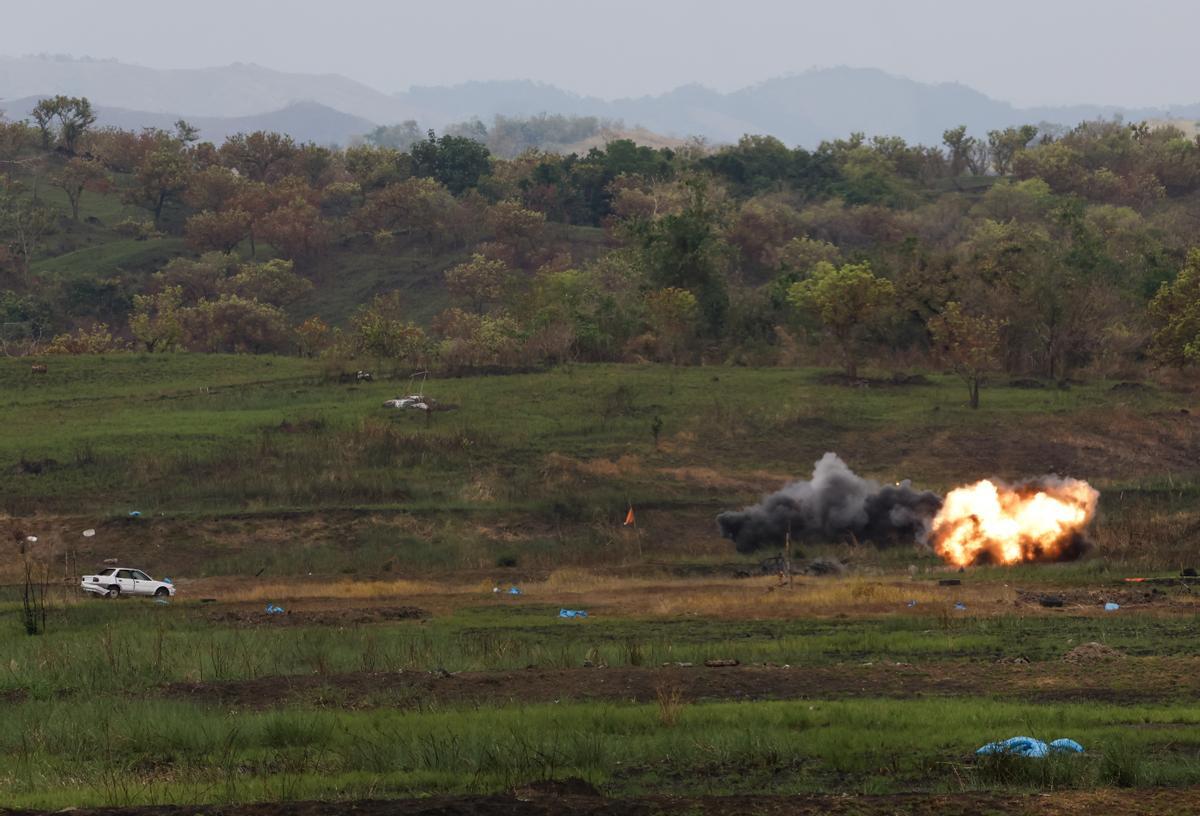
[333, 617]
[1091, 653]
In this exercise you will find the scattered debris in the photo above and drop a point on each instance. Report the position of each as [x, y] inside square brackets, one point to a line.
[1020, 660]
[950, 582]
[273, 609]
[135, 513]
[911, 604]
[721, 662]
[1030, 747]
[1051, 601]
[1111, 607]
[89, 533]
[572, 613]
[1091, 653]
[413, 401]
[825, 566]
[960, 606]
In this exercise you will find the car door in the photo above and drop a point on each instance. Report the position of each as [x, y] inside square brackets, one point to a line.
[126, 582]
[143, 583]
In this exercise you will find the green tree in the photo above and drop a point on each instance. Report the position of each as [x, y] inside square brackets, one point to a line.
[969, 343]
[382, 330]
[79, 175]
[455, 161]
[480, 282]
[155, 321]
[161, 177]
[259, 156]
[217, 231]
[65, 118]
[672, 314]
[1175, 313]
[1004, 146]
[962, 149]
[847, 300]
[685, 250]
[274, 282]
[235, 325]
[23, 224]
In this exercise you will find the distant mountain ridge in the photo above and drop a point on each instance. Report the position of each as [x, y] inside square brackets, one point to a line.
[803, 108]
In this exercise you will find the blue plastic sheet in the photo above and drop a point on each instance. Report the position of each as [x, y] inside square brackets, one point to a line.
[272, 609]
[572, 613]
[1111, 607]
[514, 591]
[1030, 747]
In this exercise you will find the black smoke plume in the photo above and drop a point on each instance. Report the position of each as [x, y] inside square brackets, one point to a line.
[833, 505]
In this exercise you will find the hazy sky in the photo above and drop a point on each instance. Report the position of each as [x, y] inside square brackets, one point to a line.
[1024, 51]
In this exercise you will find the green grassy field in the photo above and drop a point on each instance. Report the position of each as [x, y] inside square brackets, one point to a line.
[221, 437]
[150, 752]
[271, 475]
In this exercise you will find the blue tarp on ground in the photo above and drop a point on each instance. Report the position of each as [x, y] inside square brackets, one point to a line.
[1030, 747]
[572, 613]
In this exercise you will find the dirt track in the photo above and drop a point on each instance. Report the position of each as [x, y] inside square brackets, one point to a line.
[1127, 680]
[544, 802]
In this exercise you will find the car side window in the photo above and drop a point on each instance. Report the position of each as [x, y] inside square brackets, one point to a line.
[141, 576]
[124, 573]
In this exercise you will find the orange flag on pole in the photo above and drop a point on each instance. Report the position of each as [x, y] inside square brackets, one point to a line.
[629, 517]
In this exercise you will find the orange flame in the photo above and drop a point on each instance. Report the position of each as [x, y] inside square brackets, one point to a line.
[994, 523]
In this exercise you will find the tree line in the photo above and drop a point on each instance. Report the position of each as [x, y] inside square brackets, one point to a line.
[1030, 251]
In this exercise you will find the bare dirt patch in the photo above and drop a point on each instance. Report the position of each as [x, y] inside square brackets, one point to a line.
[243, 617]
[1092, 653]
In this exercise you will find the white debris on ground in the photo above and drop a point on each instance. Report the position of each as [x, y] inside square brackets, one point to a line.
[414, 401]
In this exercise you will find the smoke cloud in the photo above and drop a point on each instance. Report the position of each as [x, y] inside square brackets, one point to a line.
[832, 505]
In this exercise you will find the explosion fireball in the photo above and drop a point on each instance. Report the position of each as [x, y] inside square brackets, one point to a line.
[994, 523]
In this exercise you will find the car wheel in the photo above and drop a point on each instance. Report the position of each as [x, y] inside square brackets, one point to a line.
[161, 592]
[114, 591]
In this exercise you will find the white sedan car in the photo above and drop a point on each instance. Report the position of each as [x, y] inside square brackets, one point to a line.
[117, 581]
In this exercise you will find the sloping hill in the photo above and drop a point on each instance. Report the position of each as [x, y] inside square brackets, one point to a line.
[232, 90]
